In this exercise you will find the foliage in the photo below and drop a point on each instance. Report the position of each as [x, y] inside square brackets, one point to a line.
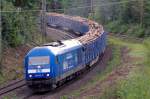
[147, 50]
[130, 18]
[25, 4]
[17, 27]
[136, 30]
[112, 26]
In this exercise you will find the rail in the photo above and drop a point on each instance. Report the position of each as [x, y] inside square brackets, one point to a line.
[12, 86]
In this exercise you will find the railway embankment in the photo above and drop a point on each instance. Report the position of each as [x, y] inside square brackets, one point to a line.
[12, 63]
[124, 71]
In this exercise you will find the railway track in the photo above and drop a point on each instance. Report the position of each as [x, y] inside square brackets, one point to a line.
[12, 86]
[57, 34]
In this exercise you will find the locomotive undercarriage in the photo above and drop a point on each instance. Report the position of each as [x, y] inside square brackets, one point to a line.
[40, 85]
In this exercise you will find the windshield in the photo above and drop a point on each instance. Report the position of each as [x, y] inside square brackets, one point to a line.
[41, 60]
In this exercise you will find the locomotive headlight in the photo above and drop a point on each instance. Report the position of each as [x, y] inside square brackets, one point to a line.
[30, 76]
[47, 75]
[38, 66]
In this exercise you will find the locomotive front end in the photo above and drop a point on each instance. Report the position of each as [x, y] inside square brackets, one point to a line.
[38, 67]
[38, 70]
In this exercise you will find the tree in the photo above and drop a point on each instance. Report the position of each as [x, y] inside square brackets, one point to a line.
[0, 39]
[18, 27]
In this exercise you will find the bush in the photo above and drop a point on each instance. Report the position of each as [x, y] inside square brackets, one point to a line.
[113, 26]
[136, 30]
[133, 30]
[147, 47]
[147, 32]
[117, 27]
[123, 28]
[18, 28]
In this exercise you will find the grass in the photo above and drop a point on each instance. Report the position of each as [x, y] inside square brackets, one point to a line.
[136, 49]
[136, 85]
[2, 79]
[10, 96]
[112, 64]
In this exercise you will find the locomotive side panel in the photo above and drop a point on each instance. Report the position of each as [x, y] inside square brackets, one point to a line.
[70, 63]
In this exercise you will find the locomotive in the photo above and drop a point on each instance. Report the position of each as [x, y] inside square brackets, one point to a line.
[51, 64]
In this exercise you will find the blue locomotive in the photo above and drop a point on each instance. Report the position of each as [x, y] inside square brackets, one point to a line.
[51, 64]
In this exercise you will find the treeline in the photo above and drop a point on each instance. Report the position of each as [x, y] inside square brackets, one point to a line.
[18, 26]
[129, 17]
[21, 20]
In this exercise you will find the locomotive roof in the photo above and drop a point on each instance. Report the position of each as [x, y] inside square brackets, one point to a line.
[65, 46]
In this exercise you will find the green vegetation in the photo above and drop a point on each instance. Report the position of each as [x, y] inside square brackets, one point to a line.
[147, 47]
[123, 18]
[136, 49]
[17, 27]
[10, 96]
[136, 84]
[118, 16]
[130, 18]
[134, 30]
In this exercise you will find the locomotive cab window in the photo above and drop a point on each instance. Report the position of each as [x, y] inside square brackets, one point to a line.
[40, 60]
